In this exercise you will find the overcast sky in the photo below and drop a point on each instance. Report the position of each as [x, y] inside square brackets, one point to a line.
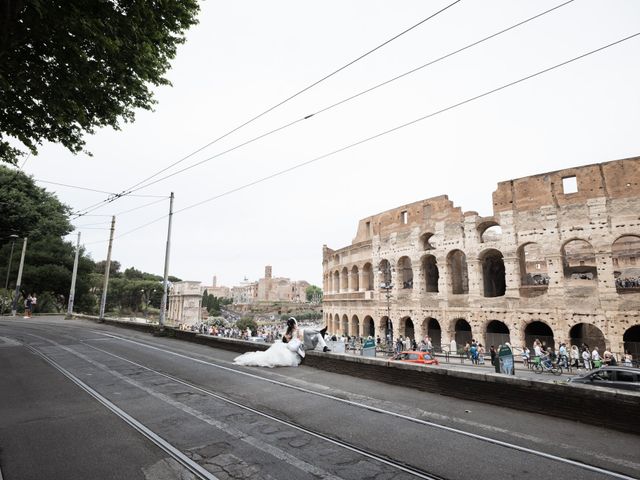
[246, 56]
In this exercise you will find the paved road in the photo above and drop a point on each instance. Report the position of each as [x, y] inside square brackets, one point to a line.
[87, 397]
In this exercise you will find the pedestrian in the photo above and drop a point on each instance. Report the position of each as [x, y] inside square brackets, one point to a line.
[34, 300]
[481, 353]
[494, 358]
[27, 306]
[473, 351]
[628, 359]
[586, 359]
[575, 356]
[526, 353]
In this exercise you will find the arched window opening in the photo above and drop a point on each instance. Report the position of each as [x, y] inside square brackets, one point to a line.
[462, 333]
[384, 273]
[344, 328]
[355, 326]
[431, 273]
[369, 327]
[539, 331]
[344, 280]
[435, 334]
[491, 234]
[579, 261]
[457, 263]
[631, 339]
[533, 266]
[406, 272]
[336, 282]
[497, 333]
[336, 324]
[493, 274]
[386, 330]
[588, 335]
[355, 279]
[367, 276]
[625, 255]
[407, 329]
[426, 240]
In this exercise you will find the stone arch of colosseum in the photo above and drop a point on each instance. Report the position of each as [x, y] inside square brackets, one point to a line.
[354, 326]
[494, 278]
[567, 258]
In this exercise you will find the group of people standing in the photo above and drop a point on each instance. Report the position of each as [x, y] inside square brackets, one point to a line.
[575, 356]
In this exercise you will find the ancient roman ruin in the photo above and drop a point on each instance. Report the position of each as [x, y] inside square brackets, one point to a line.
[558, 260]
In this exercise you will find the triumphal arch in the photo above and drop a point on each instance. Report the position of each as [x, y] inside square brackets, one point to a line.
[559, 260]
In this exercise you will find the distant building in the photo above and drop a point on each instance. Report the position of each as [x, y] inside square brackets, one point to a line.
[185, 302]
[216, 291]
[269, 289]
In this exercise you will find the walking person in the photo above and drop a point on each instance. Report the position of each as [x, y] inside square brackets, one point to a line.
[586, 359]
[27, 306]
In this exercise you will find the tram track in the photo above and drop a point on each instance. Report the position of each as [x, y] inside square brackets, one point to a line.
[189, 464]
[398, 466]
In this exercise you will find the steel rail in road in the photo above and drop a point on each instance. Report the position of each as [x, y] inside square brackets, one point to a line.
[539, 453]
[175, 453]
[475, 436]
[183, 459]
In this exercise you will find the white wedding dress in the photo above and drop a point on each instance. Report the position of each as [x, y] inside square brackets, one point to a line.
[279, 354]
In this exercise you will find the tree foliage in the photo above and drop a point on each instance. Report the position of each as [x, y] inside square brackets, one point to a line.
[67, 68]
[247, 322]
[213, 304]
[313, 293]
[27, 210]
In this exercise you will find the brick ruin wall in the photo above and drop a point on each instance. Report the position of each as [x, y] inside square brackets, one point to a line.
[573, 236]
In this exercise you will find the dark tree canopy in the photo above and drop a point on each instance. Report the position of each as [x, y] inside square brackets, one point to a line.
[69, 67]
[27, 210]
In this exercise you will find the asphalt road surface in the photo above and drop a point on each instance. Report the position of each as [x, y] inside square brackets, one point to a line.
[83, 400]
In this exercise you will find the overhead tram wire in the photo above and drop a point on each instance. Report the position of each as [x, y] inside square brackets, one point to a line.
[90, 189]
[348, 99]
[386, 132]
[114, 197]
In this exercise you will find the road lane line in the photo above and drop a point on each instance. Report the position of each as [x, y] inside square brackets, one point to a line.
[476, 436]
[185, 461]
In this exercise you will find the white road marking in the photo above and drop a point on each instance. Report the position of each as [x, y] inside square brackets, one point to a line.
[512, 446]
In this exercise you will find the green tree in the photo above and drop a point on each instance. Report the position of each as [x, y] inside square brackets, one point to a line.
[114, 268]
[67, 68]
[29, 210]
[313, 293]
[247, 322]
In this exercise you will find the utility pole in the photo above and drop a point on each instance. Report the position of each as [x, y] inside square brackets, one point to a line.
[13, 242]
[72, 292]
[14, 306]
[163, 303]
[107, 267]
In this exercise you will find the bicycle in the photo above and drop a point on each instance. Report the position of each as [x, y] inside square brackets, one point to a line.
[546, 365]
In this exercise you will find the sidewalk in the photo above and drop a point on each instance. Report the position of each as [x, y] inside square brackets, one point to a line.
[50, 428]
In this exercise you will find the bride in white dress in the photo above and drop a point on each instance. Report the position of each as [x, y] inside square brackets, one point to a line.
[287, 353]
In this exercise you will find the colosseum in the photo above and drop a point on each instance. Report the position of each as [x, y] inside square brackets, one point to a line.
[557, 261]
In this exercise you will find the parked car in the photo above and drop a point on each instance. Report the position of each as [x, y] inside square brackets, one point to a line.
[257, 339]
[424, 358]
[626, 378]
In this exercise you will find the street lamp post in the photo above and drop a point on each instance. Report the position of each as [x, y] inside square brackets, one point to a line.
[387, 286]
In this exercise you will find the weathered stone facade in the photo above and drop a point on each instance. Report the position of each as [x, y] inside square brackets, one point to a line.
[270, 289]
[556, 261]
[185, 302]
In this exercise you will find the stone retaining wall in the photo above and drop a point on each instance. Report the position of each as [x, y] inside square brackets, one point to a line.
[592, 405]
